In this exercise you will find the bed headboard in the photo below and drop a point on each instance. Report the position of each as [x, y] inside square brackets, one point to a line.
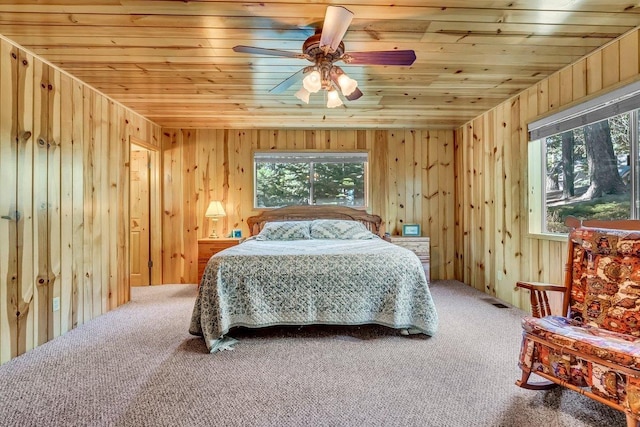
[300, 213]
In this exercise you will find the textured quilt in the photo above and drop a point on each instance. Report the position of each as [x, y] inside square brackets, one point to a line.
[303, 282]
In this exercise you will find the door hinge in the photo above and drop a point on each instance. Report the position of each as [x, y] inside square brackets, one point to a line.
[150, 264]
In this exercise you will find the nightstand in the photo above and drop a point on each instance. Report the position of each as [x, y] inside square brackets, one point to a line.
[418, 245]
[209, 247]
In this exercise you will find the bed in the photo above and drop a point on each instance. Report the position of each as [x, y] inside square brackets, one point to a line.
[308, 266]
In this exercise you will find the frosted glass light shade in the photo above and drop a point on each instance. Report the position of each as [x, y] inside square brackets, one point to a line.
[313, 82]
[347, 84]
[333, 99]
[303, 95]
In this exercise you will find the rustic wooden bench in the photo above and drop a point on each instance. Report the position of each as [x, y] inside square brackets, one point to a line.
[594, 347]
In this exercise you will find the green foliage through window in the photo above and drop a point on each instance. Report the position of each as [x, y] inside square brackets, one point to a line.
[588, 172]
[310, 178]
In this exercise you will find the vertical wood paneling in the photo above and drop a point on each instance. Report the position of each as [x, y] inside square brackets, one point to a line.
[172, 222]
[489, 184]
[477, 235]
[579, 80]
[554, 91]
[499, 214]
[594, 72]
[431, 217]
[379, 163]
[416, 175]
[202, 165]
[60, 201]
[398, 147]
[446, 204]
[98, 171]
[41, 306]
[513, 255]
[190, 198]
[53, 201]
[102, 150]
[629, 46]
[88, 197]
[77, 168]
[26, 281]
[66, 202]
[566, 86]
[8, 201]
[611, 64]
[114, 212]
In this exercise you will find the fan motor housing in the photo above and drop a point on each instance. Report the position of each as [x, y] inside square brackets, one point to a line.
[311, 48]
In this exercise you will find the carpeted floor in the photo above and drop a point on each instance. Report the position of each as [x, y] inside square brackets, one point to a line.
[138, 366]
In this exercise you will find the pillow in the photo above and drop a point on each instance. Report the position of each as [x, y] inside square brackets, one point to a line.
[339, 229]
[285, 230]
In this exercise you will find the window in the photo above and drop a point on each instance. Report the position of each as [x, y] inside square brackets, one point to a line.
[585, 162]
[310, 178]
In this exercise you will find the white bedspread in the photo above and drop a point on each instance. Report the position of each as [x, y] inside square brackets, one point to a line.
[302, 282]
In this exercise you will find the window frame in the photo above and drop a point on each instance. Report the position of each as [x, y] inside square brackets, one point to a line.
[310, 153]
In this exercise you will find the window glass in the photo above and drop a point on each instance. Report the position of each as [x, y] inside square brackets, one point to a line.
[310, 178]
[588, 174]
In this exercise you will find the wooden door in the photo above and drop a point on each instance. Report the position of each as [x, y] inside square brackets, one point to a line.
[140, 214]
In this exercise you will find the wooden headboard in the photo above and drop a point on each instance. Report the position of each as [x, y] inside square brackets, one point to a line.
[301, 213]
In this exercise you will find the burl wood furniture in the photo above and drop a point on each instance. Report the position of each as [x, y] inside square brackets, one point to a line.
[419, 246]
[594, 346]
[208, 248]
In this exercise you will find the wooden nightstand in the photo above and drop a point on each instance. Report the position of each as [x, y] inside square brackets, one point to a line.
[209, 247]
[419, 245]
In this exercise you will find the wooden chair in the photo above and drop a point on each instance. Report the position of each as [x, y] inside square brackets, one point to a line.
[594, 347]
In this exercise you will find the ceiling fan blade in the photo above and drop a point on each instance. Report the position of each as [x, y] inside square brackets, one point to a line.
[287, 83]
[336, 22]
[354, 95]
[264, 51]
[388, 57]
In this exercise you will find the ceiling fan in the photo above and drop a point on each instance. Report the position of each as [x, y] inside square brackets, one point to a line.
[323, 49]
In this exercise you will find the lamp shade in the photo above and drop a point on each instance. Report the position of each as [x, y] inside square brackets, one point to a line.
[313, 82]
[303, 95]
[347, 84]
[333, 99]
[215, 210]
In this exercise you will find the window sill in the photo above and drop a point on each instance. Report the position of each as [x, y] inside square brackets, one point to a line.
[548, 236]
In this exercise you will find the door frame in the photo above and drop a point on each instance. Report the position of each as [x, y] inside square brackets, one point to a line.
[155, 201]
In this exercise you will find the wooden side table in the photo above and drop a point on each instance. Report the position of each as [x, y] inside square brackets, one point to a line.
[209, 247]
[419, 246]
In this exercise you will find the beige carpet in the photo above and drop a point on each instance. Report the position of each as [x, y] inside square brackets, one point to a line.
[138, 366]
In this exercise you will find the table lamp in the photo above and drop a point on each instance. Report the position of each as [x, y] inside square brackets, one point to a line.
[214, 211]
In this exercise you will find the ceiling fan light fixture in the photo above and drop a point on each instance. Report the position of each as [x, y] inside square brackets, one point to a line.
[333, 99]
[312, 82]
[303, 95]
[347, 84]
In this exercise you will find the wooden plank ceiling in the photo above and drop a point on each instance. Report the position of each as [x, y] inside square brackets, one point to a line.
[172, 61]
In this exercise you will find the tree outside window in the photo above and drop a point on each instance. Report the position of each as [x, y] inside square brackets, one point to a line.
[310, 178]
[588, 172]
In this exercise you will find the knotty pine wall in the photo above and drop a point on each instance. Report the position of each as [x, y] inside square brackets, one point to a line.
[64, 201]
[493, 249]
[411, 176]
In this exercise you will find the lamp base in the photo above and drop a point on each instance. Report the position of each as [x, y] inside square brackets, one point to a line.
[214, 222]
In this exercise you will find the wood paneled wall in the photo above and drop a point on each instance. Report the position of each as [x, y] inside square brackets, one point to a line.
[493, 249]
[411, 177]
[64, 209]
